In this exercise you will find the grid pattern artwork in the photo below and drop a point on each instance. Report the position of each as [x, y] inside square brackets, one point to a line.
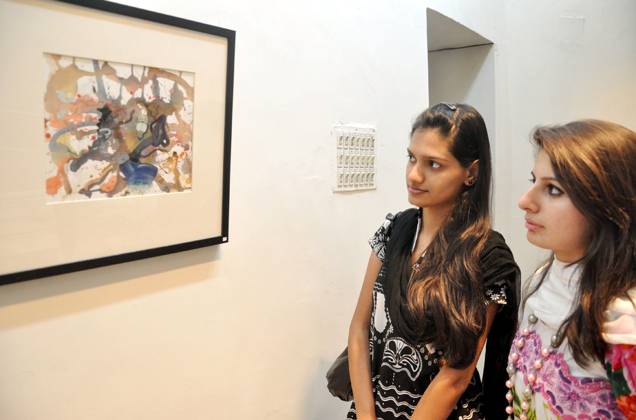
[355, 157]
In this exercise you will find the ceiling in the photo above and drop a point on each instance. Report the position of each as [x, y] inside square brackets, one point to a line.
[445, 33]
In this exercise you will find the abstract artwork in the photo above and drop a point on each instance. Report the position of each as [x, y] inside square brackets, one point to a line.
[118, 132]
[115, 129]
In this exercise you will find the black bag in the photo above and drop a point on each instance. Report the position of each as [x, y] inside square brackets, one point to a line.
[338, 380]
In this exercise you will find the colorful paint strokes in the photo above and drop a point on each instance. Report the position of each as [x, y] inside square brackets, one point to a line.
[115, 129]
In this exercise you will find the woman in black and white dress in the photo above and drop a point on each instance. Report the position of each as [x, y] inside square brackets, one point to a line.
[439, 282]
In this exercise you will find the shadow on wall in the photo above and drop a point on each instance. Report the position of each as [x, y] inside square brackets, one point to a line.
[37, 300]
[319, 403]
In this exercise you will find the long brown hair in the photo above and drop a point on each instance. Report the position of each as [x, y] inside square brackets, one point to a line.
[595, 162]
[444, 298]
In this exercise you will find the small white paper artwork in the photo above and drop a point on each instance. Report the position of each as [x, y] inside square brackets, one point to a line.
[355, 157]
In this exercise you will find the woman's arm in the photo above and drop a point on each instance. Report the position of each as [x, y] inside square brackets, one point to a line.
[620, 362]
[619, 332]
[359, 363]
[449, 384]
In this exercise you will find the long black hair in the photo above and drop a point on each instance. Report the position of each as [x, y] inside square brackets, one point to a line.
[444, 299]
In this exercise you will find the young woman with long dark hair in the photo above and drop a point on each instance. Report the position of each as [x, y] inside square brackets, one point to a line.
[439, 282]
[574, 354]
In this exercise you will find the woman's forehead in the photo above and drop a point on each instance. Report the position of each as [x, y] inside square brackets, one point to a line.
[542, 165]
[430, 142]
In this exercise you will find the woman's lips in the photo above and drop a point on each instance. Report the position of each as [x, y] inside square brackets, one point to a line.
[414, 190]
[532, 226]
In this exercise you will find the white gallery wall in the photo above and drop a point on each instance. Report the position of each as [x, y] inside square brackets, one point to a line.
[247, 329]
[244, 330]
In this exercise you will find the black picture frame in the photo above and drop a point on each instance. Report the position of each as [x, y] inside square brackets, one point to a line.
[111, 10]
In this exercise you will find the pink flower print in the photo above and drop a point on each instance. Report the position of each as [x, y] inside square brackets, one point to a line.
[614, 356]
[622, 361]
[568, 397]
[629, 365]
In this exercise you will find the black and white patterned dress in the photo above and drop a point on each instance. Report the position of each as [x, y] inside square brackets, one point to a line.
[401, 370]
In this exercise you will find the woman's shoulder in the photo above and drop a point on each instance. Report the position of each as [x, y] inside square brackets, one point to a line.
[620, 320]
[496, 247]
[624, 304]
[496, 238]
[392, 217]
[411, 212]
[497, 262]
[380, 238]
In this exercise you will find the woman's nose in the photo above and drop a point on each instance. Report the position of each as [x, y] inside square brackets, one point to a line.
[526, 201]
[414, 175]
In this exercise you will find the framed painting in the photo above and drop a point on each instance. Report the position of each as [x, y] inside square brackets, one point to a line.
[117, 130]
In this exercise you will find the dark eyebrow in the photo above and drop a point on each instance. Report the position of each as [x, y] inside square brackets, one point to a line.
[437, 158]
[545, 178]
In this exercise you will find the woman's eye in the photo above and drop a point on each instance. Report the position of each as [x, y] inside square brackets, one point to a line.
[435, 165]
[554, 191]
[411, 158]
[532, 180]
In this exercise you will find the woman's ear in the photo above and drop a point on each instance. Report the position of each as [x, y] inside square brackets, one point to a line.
[472, 173]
